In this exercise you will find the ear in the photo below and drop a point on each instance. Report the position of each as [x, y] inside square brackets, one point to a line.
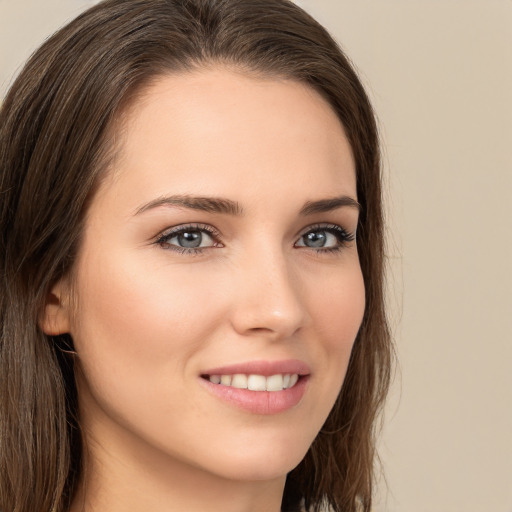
[55, 317]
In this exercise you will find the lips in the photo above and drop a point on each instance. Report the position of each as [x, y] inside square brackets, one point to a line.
[265, 368]
[260, 387]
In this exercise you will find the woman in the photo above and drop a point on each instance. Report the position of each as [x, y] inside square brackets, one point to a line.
[188, 322]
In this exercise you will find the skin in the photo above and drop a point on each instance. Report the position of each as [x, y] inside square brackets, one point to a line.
[147, 320]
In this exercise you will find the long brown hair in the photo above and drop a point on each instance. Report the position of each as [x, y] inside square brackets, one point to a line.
[55, 138]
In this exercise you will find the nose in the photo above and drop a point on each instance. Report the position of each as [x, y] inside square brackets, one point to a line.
[268, 301]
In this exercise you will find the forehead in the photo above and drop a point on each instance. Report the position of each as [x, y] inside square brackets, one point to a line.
[242, 130]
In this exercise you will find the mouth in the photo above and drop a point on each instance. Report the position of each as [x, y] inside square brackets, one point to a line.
[260, 387]
[255, 382]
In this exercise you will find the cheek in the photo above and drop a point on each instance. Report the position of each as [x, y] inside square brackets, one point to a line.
[338, 311]
[138, 325]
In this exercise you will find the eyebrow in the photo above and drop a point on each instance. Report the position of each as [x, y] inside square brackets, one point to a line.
[205, 204]
[229, 207]
[327, 205]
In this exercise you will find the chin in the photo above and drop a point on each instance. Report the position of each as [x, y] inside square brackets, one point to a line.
[260, 463]
[267, 470]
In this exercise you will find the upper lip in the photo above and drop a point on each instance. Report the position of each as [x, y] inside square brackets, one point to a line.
[262, 367]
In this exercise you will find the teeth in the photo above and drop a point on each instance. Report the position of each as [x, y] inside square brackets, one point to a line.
[239, 381]
[276, 382]
[225, 380]
[257, 383]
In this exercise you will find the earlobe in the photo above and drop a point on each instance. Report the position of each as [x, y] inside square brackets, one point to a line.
[54, 319]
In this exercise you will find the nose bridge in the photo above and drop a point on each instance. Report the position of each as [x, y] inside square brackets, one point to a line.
[269, 298]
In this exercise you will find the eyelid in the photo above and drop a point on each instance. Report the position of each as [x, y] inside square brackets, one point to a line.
[343, 235]
[328, 226]
[168, 233]
[190, 226]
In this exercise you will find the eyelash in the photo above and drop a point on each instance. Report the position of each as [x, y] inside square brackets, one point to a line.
[168, 235]
[342, 235]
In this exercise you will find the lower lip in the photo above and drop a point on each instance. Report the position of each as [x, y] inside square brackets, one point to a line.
[260, 402]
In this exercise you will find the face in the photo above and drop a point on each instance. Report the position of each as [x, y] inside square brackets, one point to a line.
[221, 247]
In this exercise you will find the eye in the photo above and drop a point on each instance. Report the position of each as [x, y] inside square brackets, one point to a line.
[325, 238]
[191, 238]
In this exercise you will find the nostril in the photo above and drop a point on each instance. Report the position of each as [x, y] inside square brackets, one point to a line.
[260, 329]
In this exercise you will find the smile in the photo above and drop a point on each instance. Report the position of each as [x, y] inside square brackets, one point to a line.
[254, 382]
[259, 387]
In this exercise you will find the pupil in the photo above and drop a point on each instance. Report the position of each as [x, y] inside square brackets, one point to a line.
[316, 239]
[190, 239]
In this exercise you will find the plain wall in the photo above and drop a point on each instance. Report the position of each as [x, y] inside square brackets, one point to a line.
[440, 75]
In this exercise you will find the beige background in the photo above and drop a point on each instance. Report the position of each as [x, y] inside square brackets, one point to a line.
[440, 74]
